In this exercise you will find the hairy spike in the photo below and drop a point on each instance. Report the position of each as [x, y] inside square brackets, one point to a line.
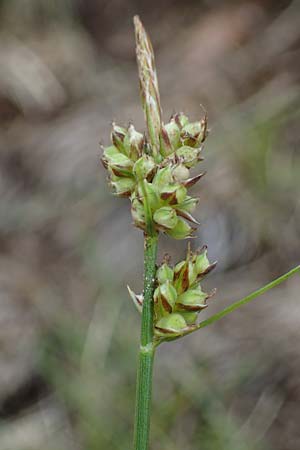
[148, 84]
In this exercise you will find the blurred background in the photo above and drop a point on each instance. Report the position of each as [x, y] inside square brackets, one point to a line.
[68, 331]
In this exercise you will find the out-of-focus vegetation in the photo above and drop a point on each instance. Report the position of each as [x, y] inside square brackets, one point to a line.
[68, 333]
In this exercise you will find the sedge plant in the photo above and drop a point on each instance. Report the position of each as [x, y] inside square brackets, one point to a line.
[153, 170]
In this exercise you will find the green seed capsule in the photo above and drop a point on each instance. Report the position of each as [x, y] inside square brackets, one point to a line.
[138, 213]
[134, 143]
[159, 309]
[173, 193]
[189, 317]
[192, 300]
[117, 137]
[180, 173]
[181, 276]
[188, 155]
[193, 128]
[163, 177]
[181, 119]
[195, 133]
[166, 217]
[188, 204]
[168, 192]
[181, 231]
[148, 189]
[166, 148]
[164, 273]
[168, 296]
[144, 167]
[173, 133]
[109, 153]
[192, 273]
[114, 159]
[123, 186]
[178, 268]
[170, 325]
[180, 193]
[202, 262]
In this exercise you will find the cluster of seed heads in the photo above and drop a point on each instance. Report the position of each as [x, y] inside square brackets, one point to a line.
[153, 171]
[178, 297]
[157, 182]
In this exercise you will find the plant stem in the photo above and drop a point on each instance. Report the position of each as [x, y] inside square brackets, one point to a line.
[151, 105]
[147, 349]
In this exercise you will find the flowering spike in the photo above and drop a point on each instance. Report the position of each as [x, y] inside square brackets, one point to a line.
[153, 171]
[178, 292]
[148, 85]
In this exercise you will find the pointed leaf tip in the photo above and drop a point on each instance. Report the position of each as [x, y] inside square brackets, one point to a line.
[137, 299]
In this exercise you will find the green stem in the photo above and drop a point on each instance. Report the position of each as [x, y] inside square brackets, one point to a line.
[148, 213]
[147, 349]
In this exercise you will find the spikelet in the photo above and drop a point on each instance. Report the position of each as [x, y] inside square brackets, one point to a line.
[154, 171]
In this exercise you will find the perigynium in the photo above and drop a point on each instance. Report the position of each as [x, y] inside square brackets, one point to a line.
[153, 170]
